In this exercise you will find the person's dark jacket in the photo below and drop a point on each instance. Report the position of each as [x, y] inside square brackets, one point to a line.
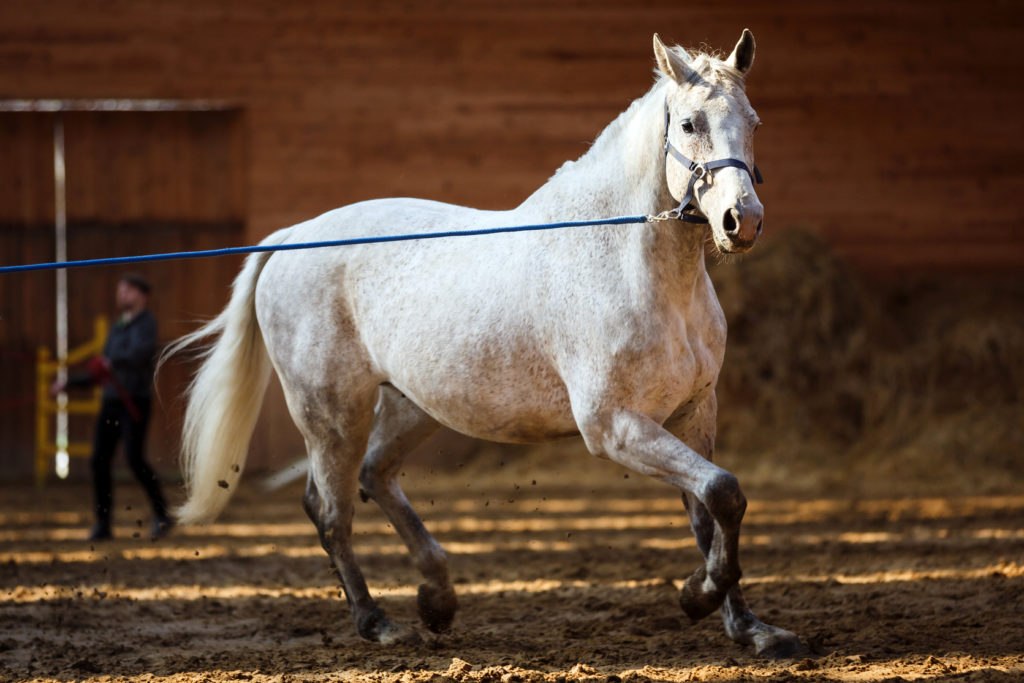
[131, 349]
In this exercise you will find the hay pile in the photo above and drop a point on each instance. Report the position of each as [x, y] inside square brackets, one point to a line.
[834, 384]
[869, 387]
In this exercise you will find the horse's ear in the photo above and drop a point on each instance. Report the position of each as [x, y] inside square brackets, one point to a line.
[670, 63]
[742, 57]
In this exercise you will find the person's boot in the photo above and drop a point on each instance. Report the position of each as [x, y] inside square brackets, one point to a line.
[100, 531]
[161, 526]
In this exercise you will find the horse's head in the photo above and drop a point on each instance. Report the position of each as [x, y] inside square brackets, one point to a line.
[709, 119]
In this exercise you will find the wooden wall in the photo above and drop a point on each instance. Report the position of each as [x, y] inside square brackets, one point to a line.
[893, 128]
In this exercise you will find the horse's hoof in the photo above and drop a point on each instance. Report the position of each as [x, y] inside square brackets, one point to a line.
[695, 601]
[780, 645]
[437, 607]
[377, 628]
[395, 634]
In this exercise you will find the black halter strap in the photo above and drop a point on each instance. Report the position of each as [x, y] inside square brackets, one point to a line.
[686, 211]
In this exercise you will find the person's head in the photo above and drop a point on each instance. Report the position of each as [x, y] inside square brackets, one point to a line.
[132, 293]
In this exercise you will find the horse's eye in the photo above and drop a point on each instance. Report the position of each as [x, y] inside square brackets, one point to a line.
[687, 126]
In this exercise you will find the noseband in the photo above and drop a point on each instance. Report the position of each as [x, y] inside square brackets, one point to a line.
[686, 210]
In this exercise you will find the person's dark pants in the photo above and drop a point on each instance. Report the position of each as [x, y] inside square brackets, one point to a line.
[115, 422]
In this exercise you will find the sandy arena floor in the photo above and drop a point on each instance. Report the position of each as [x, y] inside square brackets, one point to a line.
[555, 584]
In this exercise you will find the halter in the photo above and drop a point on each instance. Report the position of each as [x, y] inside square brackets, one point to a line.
[685, 211]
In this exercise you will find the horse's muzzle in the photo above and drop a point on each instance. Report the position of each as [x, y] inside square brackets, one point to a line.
[743, 224]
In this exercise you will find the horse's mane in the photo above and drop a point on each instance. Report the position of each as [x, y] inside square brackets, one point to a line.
[707, 66]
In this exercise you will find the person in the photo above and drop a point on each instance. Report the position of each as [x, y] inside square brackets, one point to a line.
[125, 371]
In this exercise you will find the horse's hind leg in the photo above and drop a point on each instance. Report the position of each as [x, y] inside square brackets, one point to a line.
[335, 451]
[398, 427]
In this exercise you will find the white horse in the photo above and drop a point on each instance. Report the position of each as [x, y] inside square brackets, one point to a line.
[613, 333]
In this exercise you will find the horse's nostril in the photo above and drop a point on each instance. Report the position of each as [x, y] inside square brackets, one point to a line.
[731, 221]
[760, 226]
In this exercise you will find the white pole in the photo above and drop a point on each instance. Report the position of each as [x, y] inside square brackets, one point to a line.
[61, 234]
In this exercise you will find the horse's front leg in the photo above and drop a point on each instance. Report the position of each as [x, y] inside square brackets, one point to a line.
[741, 624]
[697, 426]
[643, 445]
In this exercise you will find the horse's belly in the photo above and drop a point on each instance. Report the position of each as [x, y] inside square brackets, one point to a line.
[524, 403]
[520, 424]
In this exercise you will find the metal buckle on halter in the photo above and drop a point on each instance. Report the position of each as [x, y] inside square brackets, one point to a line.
[668, 215]
[699, 171]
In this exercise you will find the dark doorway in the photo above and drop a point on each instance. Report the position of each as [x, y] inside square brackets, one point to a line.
[137, 182]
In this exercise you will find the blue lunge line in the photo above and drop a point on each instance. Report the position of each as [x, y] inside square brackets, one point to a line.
[206, 253]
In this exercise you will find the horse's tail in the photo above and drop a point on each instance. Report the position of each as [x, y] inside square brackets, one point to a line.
[224, 397]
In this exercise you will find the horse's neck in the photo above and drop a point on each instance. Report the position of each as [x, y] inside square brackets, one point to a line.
[623, 173]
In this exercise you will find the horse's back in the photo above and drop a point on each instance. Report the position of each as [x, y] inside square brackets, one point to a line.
[391, 216]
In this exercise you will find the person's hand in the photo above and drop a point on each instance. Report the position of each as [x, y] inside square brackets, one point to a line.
[99, 367]
[57, 387]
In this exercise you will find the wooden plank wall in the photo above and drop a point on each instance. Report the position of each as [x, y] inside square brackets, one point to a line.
[893, 128]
